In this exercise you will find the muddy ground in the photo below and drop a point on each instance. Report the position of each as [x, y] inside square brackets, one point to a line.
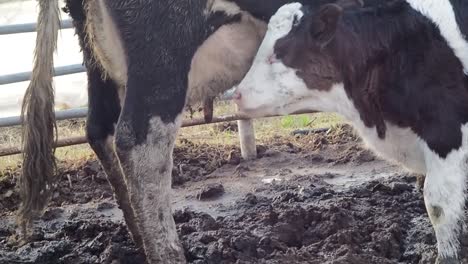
[318, 198]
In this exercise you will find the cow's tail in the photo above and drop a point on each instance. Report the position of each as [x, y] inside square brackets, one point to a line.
[38, 119]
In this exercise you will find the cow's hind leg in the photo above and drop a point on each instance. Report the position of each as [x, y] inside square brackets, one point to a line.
[144, 143]
[144, 140]
[104, 111]
[444, 196]
[160, 39]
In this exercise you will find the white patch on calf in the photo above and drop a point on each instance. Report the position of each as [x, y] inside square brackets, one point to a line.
[440, 12]
[400, 145]
[444, 189]
[268, 84]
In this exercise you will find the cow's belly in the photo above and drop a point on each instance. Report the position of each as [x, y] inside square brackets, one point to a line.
[400, 145]
[218, 64]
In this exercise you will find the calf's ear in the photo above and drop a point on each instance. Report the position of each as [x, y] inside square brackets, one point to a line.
[324, 23]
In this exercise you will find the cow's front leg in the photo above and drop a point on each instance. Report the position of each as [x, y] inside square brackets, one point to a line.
[444, 196]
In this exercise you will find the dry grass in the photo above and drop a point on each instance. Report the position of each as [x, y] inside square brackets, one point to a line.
[11, 137]
[265, 128]
[214, 134]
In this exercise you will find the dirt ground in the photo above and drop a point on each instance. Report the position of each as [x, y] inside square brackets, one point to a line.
[318, 198]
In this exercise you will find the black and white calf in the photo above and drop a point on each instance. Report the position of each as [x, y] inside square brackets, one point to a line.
[397, 72]
[145, 60]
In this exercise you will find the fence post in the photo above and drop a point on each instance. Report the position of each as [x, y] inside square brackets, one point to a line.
[247, 139]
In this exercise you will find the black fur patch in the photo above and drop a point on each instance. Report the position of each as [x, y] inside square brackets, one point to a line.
[396, 68]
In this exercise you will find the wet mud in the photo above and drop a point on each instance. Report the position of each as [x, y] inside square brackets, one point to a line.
[315, 198]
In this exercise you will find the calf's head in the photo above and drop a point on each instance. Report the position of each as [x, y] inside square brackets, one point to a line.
[293, 69]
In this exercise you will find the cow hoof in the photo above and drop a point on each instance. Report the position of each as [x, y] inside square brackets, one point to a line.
[447, 260]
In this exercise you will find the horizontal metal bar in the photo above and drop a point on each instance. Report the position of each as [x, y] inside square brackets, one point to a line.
[68, 114]
[60, 143]
[26, 76]
[187, 123]
[81, 140]
[29, 27]
[59, 115]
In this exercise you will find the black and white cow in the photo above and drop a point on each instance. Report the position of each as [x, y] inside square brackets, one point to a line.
[397, 72]
[145, 60]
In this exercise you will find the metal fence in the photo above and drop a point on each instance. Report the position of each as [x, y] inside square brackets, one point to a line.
[246, 130]
[59, 71]
[26, 76]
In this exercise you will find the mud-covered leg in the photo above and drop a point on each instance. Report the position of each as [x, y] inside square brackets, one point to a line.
[145, 136]
[444, 196]
[160, 40]
[146, 156]
[104, 111]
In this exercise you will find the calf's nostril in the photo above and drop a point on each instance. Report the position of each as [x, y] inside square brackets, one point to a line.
[237, 95]
[271, 59]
